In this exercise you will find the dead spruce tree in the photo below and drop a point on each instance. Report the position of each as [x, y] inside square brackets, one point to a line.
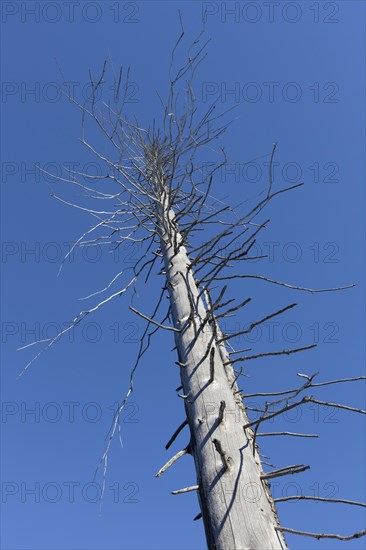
[160, 199]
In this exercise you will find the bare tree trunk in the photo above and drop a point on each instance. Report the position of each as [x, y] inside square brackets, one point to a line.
[155, 174]
[237, 509]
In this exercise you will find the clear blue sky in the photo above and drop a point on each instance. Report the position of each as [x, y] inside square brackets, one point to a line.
[297, 70]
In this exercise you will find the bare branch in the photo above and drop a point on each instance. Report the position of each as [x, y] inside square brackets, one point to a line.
[176, 433]
[270, 353]
[296, 469]
[311, 290]
[340, 380]
[287, 433]
[337, 405]
[323, 499]
[256, 323]
[171, 461]
[185, 490]
[305, 399]
[322, 535]
[76, 321]
[152, 320]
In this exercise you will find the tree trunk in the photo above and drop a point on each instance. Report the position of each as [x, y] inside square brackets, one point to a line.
[237, 509]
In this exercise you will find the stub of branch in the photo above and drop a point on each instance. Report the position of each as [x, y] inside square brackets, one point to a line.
[296, 469]
[322, 535]
[293, 434]
[198, 516]
[219, 449]
[176, 433]
[221, 412]
[322, 499]
[185, 490]
[171, 461]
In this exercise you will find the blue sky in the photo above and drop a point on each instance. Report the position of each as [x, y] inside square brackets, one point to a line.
[295, 71]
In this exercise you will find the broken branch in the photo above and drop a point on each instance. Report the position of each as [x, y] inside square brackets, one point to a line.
[297, 469]
[185, 490]
[171, 461]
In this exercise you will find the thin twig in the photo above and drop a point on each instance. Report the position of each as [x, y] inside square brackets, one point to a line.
[336, 405]
[305, 399]
[256, 323]
[270, 353]
[322, 535]
[323, 499]
[340, 380]
[294, 287]
[287, 433]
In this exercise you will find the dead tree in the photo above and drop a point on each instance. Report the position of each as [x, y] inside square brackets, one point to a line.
[160, 199]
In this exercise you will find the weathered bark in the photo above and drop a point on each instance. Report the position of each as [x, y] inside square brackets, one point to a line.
[237, 509]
